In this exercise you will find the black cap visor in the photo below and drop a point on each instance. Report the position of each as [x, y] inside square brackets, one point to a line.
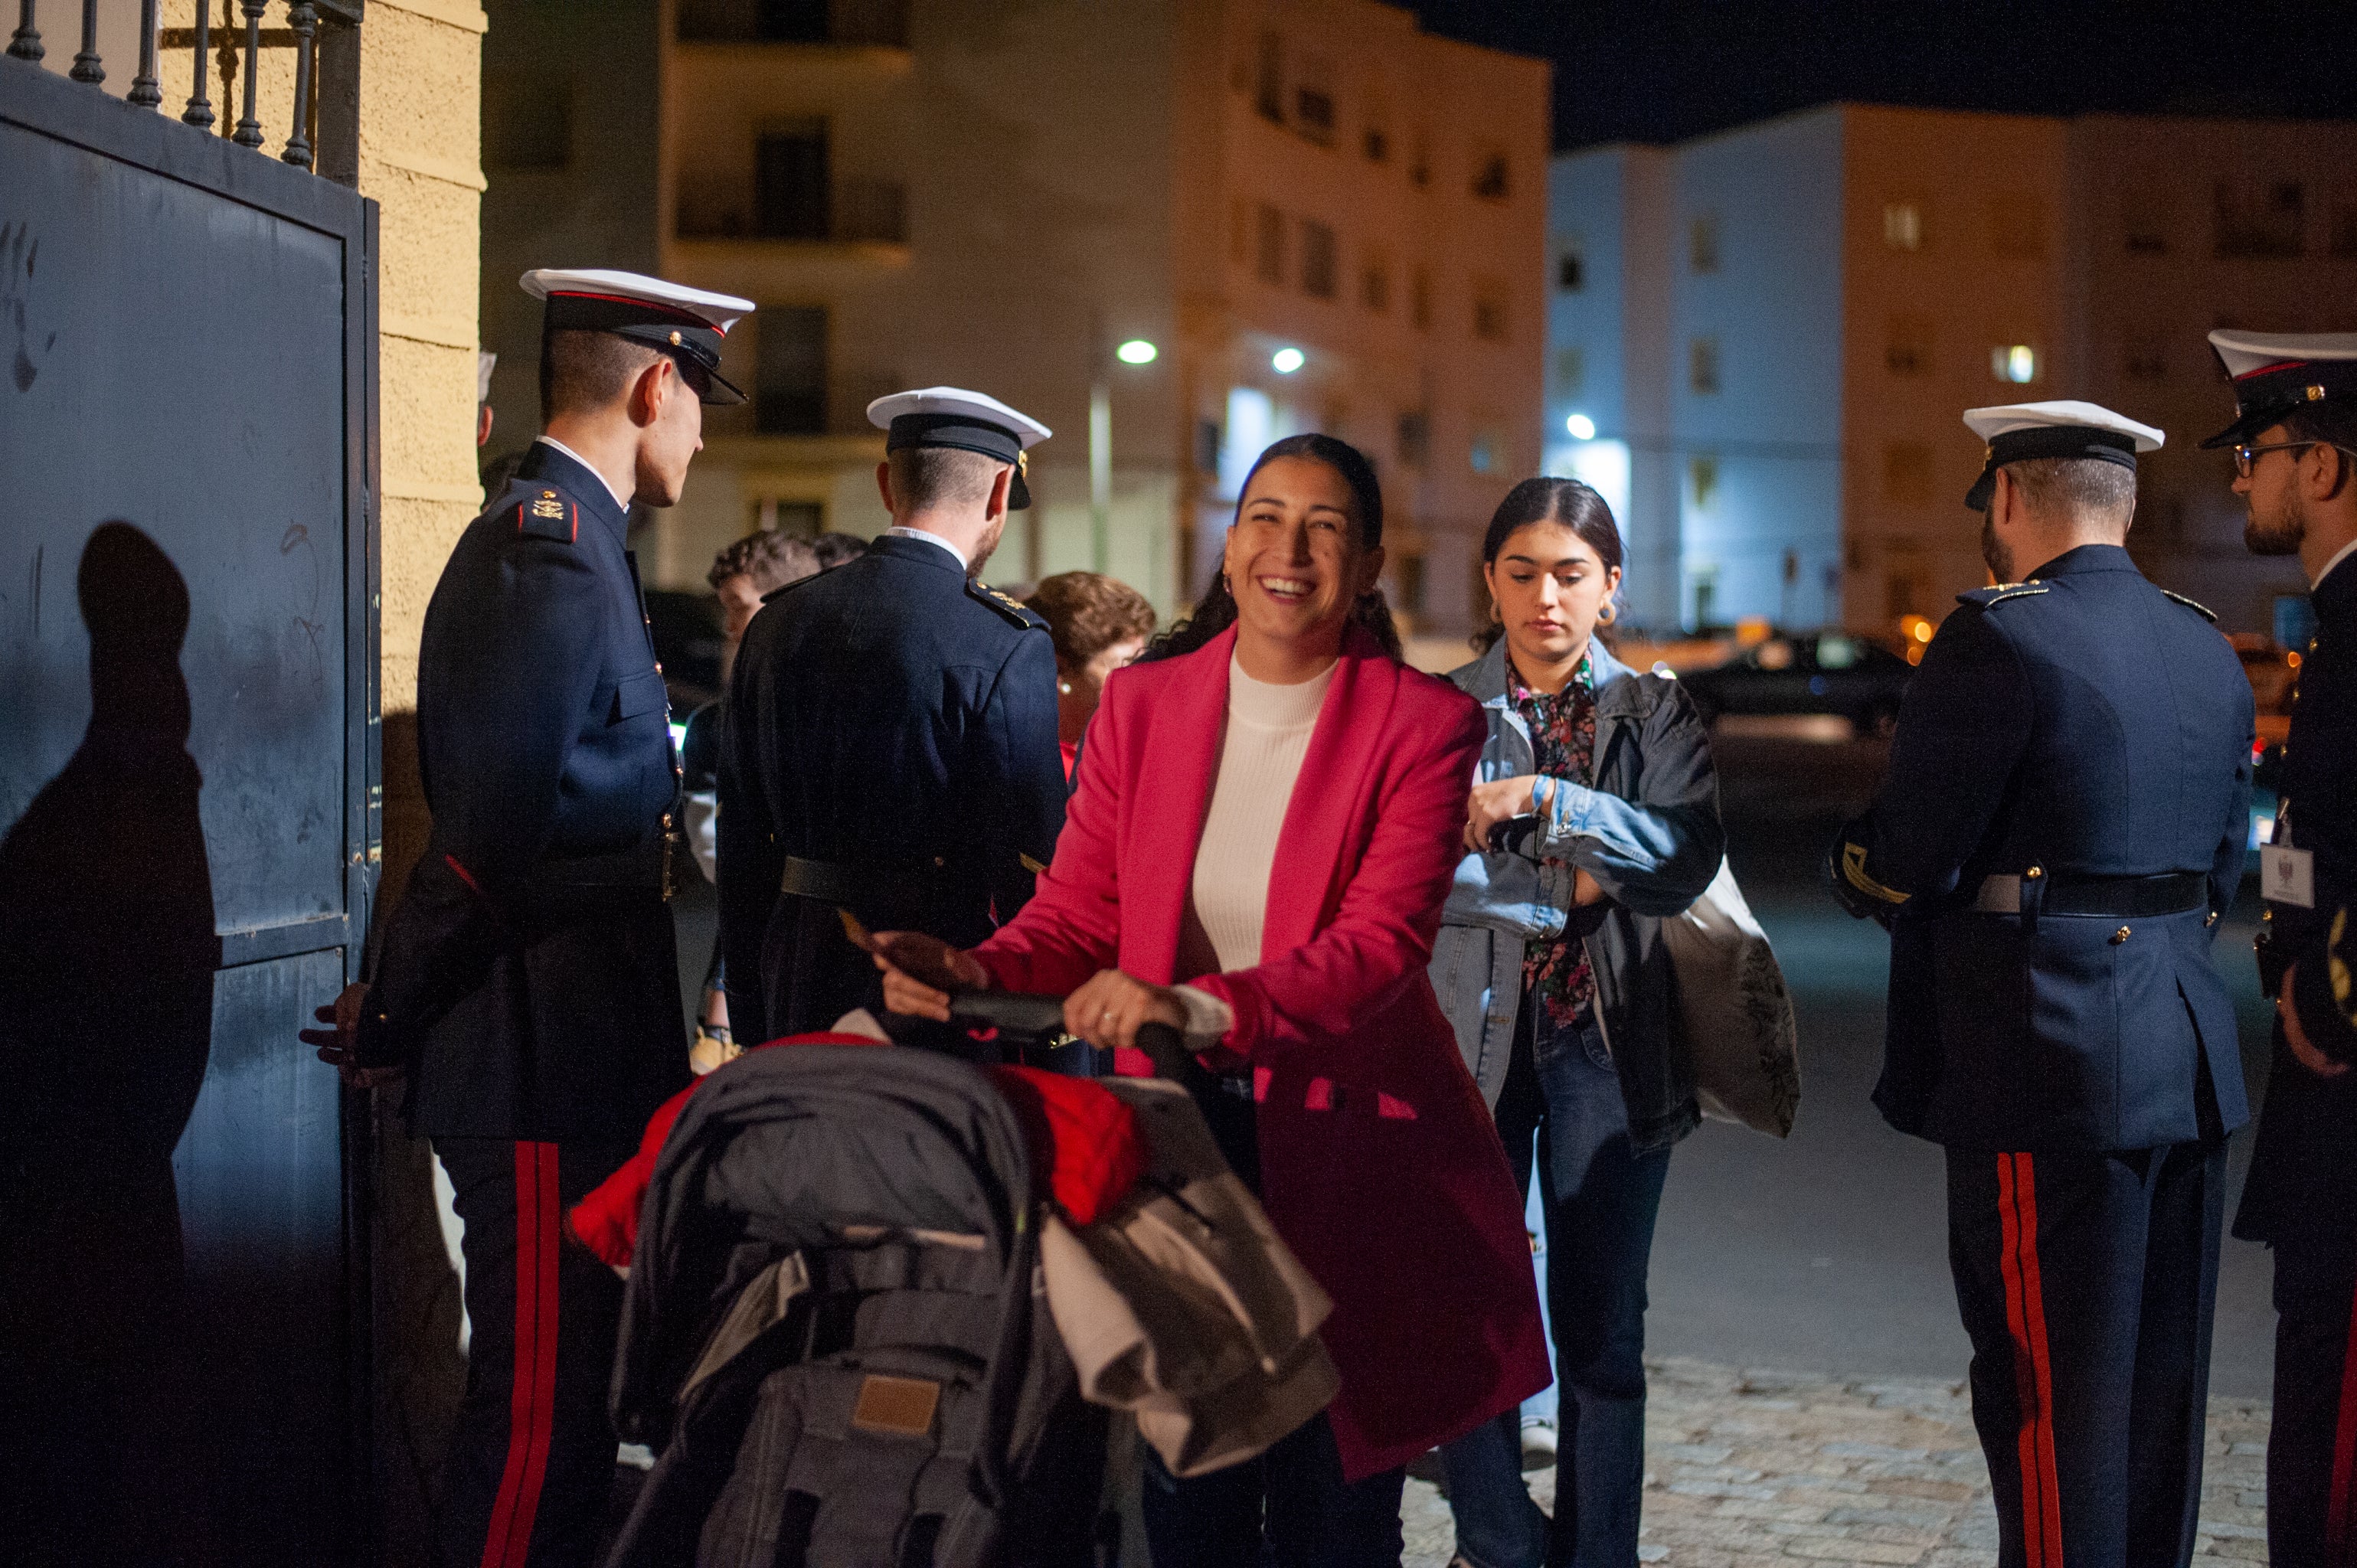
[2048, 441]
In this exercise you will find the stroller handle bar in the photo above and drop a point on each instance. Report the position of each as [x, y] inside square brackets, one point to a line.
[1042, 1017]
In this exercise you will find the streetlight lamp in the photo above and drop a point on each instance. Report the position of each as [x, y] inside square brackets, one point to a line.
[1133, 351]
[1286, 360]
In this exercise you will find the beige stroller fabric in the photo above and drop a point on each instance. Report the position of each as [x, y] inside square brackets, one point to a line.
[1183, 1307]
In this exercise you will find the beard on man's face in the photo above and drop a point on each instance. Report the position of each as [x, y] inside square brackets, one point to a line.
[2279, 532]
[1995, 551]
[983, 548]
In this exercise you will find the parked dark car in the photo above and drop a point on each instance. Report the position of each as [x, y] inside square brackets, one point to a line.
[1824, 673]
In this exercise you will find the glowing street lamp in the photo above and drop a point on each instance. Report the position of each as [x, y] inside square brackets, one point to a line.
[1136, 351]
[1284, 361]
[1582, 428]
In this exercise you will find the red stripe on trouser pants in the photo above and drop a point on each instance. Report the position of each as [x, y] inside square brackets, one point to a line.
[2344, 1452]
[531, 1404]
[2033, 1377]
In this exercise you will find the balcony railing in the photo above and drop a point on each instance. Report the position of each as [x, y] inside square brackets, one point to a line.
[857, 211]
[854, 22]
[324, 134]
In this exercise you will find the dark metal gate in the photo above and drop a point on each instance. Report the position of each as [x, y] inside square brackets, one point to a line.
[188, 710]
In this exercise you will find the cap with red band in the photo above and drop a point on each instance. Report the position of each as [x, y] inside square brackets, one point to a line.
[2276, 373]
[688, 323]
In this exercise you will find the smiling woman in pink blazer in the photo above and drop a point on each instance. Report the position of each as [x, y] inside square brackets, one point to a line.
[1267, 818]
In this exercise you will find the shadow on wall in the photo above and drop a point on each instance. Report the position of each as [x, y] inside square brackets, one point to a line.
[106, 919]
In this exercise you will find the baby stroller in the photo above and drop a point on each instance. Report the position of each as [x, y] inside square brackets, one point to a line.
[833, 1333]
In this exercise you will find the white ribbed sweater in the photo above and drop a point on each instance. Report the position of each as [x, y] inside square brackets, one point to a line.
[1267, 735]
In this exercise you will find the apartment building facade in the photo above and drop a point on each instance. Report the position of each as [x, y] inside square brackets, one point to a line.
[1314, 215]
[1831, 289]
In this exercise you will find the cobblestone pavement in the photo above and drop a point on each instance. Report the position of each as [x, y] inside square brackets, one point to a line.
[1749, 1468]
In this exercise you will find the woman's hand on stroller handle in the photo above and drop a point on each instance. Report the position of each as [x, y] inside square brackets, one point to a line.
[1111, 1007]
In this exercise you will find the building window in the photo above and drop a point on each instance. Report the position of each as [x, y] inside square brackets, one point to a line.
[1702, 242]
[1268, 78]
[1570, 371]
[1419, 299]
[2341, 233]
[1570, 266]
[2259, 217]
[1702, 365]
[1907, 347]
[1407, 571]
[527, 120]
[1490, 310]
[2147, 360]
[1412, 438]
[1902, 226]
[1239, 231]
[2145, 223]
[1269, 245]
[1702, 481]
[1907, 474]
[1375, 282]
[802, 520]
[2017, 225]
[1318, 264]
[790, 370]
[790, 181]
[1487, 454]
[2015, 364]
[1705, 598]
[1420, 160]
[1492, 177]
[1313, 101]
[1376, 143]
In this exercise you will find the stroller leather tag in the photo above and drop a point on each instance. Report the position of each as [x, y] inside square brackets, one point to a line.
[903, 1405]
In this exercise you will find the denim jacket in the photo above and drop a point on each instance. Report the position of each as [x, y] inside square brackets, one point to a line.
[1648, 832]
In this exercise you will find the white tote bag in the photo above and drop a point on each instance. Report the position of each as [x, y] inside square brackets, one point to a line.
[1734, 1011]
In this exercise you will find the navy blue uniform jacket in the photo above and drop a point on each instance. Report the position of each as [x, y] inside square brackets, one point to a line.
[2087, 724]
[895, 720]
[2304, 1163]
[528, 975]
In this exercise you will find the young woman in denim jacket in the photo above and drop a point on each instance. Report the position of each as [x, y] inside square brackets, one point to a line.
[1595, 815]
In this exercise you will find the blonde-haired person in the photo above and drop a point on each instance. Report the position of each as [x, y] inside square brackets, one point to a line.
[1594, 813]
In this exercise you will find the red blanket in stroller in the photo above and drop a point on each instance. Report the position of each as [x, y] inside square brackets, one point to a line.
[1086, 1149]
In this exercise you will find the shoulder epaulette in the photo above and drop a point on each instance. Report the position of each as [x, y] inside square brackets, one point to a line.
[2204, 611]
[544, 513]
[1986, 598]
[1013, 610]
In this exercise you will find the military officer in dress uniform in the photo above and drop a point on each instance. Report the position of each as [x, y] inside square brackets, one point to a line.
[888, 746]
[528, 982]
[2062, 822]
[2295, 442]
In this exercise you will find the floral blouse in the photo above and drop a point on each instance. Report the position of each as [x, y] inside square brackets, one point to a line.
[1556, 971]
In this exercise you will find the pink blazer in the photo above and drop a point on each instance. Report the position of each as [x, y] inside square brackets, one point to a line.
[1380, 1165]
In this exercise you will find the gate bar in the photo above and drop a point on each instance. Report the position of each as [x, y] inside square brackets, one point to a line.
[87, 67]
[199, 112]
[306, 19]
[146, 90]
[249, 127]
[26, 42]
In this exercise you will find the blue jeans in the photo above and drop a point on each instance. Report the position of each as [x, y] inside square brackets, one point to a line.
[1600, 1197]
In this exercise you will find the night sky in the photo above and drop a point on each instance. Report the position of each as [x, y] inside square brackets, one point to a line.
[1660, 70]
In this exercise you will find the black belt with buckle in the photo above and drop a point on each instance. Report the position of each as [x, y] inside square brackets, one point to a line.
[892, 887]
[2122, 897]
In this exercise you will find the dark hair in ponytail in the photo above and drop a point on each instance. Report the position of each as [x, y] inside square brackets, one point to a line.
[1373, 613]
[1568, 501]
